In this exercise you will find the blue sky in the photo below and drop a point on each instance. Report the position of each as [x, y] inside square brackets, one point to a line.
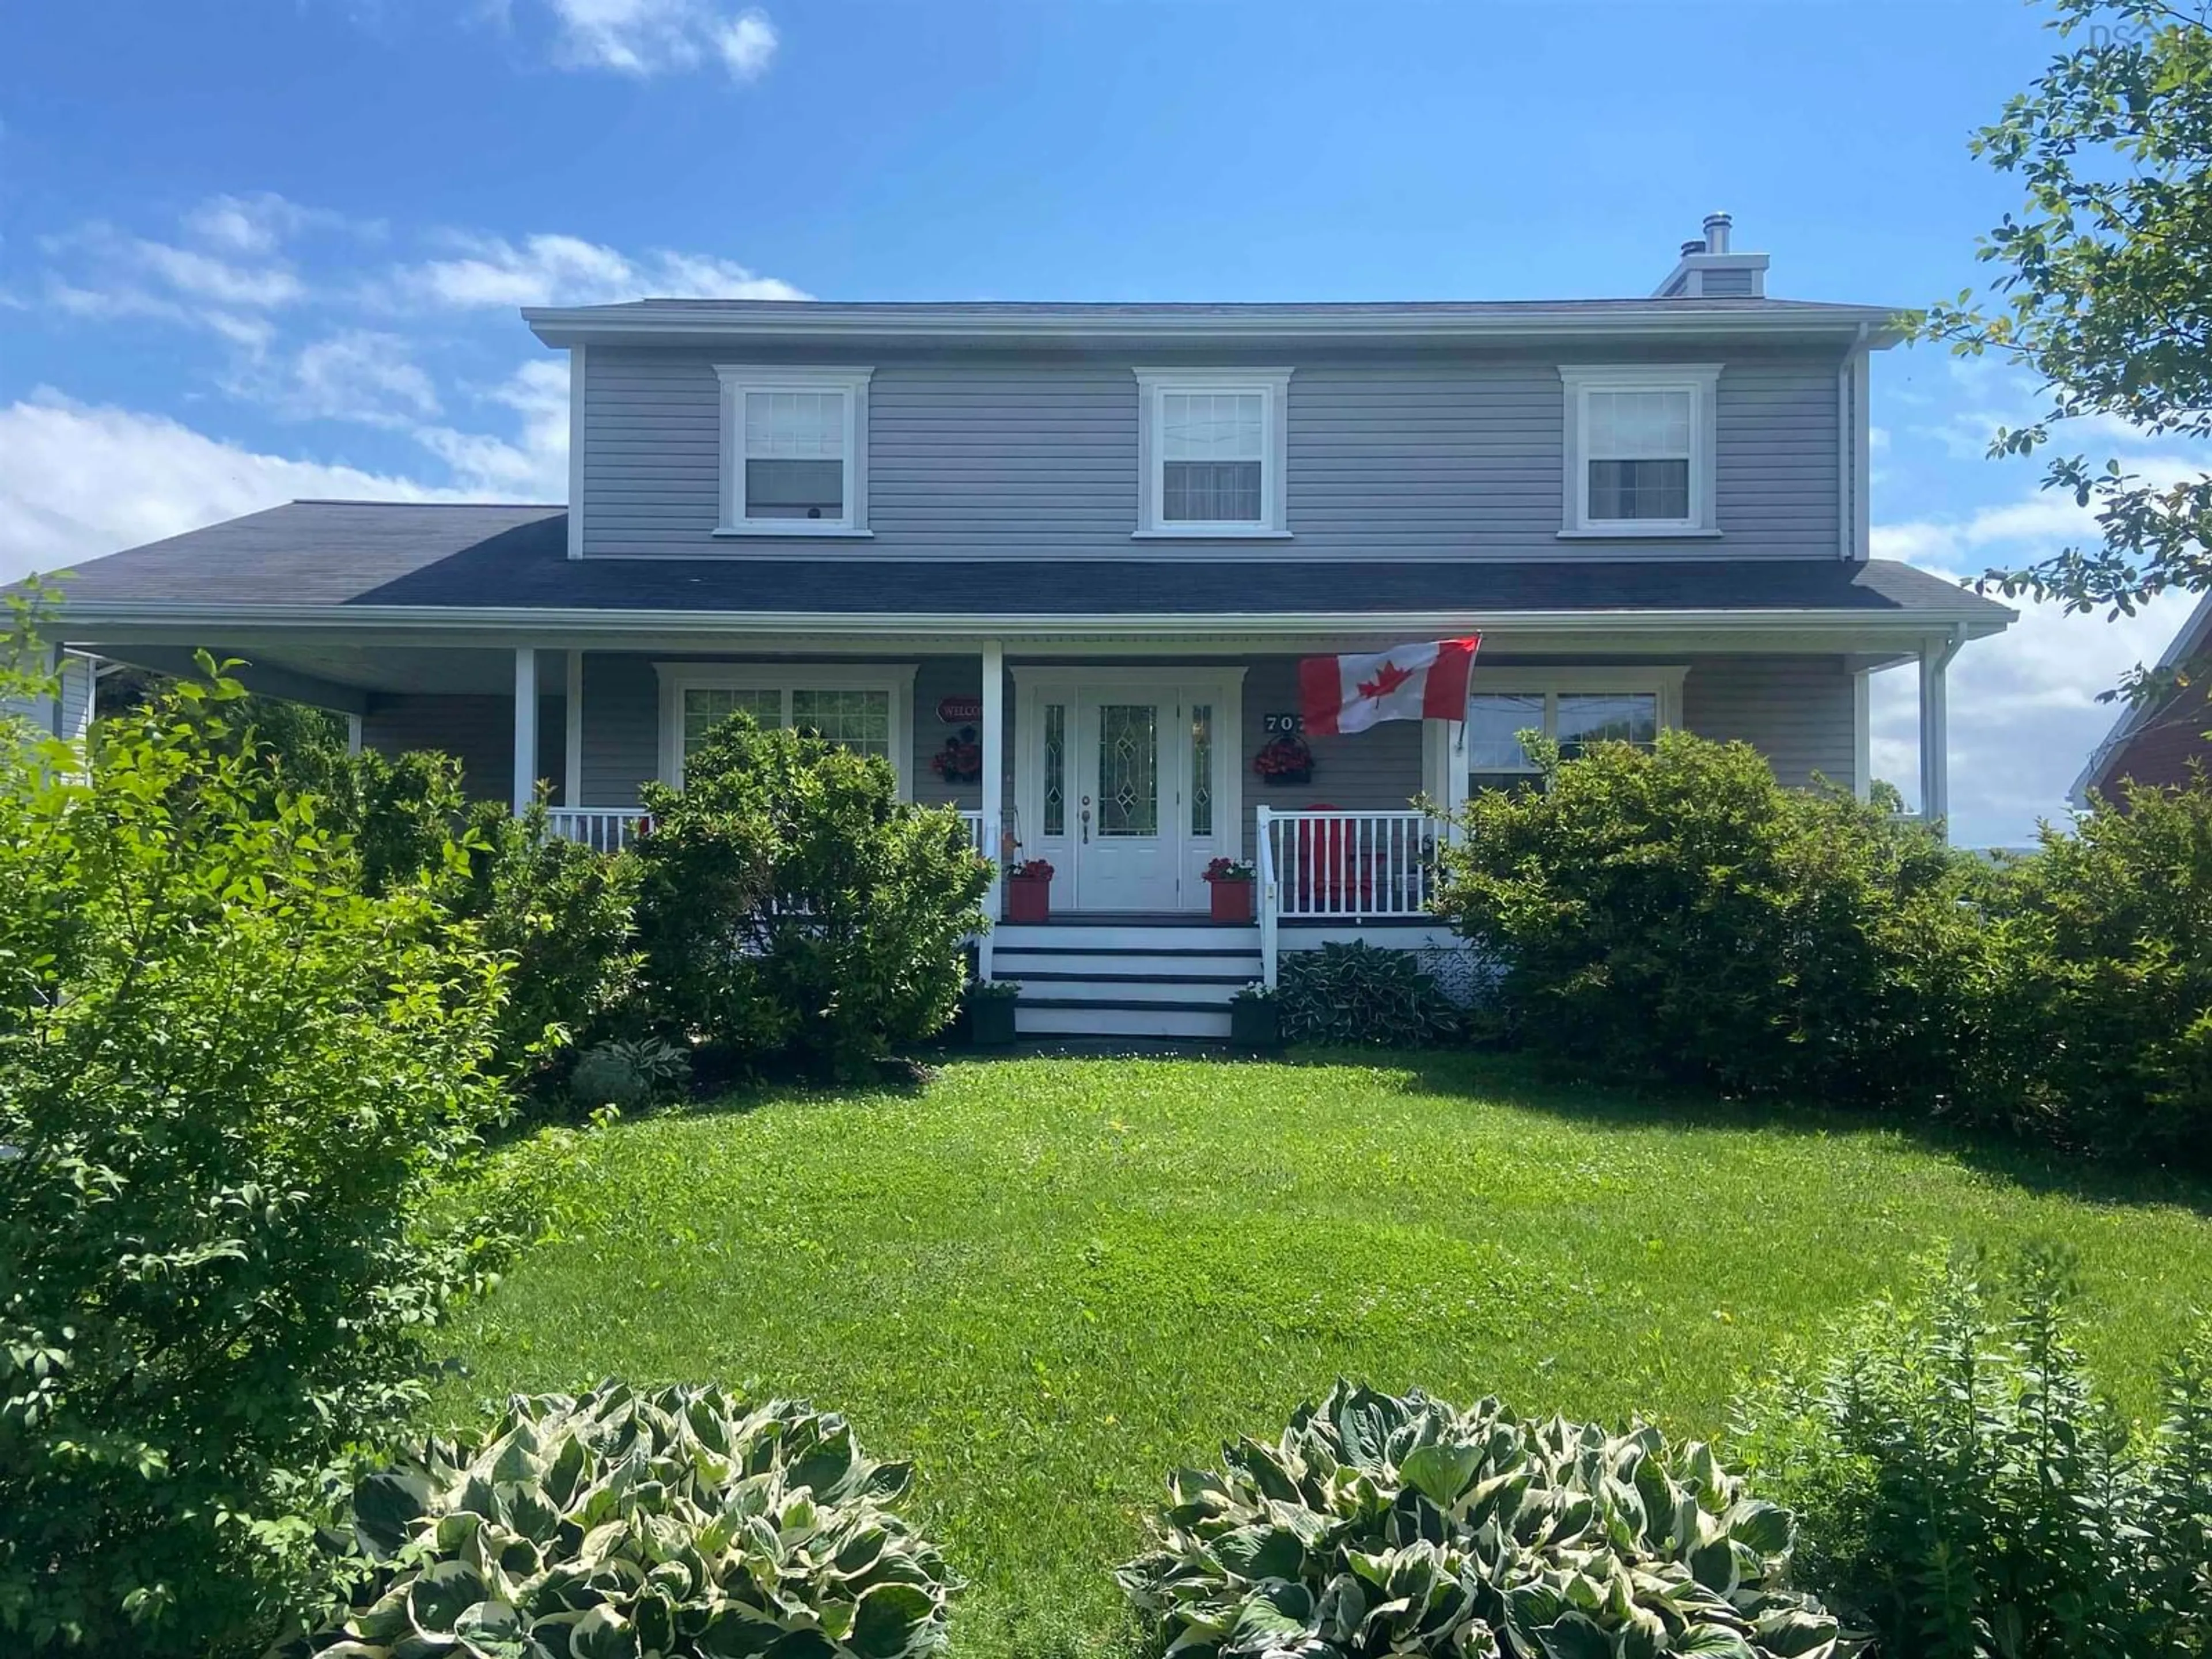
[251, 250]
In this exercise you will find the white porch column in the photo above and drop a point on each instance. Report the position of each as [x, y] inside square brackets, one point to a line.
[993, 737]
[352, 734]
[1934, 731]
[525, 726]
[572, 709]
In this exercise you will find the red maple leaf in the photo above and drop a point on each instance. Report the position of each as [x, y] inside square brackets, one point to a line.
[1387, 678]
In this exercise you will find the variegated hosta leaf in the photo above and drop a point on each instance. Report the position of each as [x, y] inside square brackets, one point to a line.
[679, 1524]
[1377, 1527]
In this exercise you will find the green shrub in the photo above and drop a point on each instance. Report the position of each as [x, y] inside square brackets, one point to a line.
[2104, 957]
[230, 1085]
[1674, 912]
[792, 909]
[1962, 1490]
[565, 915]
[678, 1523]
[630, 1073]
[1381, 1526]
[1355, 994]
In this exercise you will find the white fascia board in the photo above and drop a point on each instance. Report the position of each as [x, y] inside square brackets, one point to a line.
[95, 622]
[569, 325]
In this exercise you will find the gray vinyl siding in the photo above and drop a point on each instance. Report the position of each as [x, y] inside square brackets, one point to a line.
[477, 731]
[622, 728]
[1445, 455]
[1798, 712]
[77, 694]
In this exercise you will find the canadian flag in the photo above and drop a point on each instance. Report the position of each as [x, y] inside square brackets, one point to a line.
[1411, 682]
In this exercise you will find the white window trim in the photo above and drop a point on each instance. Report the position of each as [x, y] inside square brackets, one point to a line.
[1273, 386]
[1702, 381]
[737, 380]
[678, 677]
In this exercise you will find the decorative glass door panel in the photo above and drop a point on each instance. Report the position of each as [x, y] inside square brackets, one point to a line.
[1126, 839]
[1128, 793]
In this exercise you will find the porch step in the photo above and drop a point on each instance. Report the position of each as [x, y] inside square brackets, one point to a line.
[1125, 976]
[1117, 934]
[1120, 1018]
[1125, 990]
[1239, 967]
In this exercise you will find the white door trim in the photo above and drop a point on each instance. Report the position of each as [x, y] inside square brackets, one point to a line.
[1034, 686]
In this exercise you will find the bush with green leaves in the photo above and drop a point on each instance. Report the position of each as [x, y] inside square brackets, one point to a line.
[231, 1084]
[565, 917]
[1964, 1492]
[629, 1072]
[1384, 1526]
[680, 1523]
[2103, 1017]
[1356, 994]
[793, 909]
[1674, 912]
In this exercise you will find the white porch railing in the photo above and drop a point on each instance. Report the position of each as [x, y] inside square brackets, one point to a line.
[602, 828]
[976, 832]
[1352, 867]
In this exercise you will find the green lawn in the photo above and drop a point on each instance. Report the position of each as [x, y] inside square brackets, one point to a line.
[1047, 1281]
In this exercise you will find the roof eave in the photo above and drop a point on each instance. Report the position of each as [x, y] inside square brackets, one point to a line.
[1977, 623]
[562, 326]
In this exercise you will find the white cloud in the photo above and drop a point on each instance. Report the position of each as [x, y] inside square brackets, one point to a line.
[650, 37]
[555, 270]
[78, 480]
[358, 375]
[2024, 709]
[535, 465]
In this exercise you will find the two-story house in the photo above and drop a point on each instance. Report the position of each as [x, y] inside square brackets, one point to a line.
[1058, 564]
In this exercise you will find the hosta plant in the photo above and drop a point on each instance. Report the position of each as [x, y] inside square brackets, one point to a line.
[1384, 1526]
[623, 1525]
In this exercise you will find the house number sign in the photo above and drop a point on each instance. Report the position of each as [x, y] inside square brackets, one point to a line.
[1282, 723]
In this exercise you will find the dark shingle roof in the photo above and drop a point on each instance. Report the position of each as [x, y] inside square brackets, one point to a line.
[365, 554]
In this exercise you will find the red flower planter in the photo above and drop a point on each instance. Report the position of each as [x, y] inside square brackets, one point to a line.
[1029, 898]
[1230, 900]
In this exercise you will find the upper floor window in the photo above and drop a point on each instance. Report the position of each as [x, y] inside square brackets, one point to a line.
[1639, 450]
[794, 451]
[1211, 443]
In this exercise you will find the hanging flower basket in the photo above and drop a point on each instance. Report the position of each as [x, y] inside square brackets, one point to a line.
[1285, 760]
[961, 760]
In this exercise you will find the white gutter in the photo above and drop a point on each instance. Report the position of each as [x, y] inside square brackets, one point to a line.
[86, 618]
[808, 320]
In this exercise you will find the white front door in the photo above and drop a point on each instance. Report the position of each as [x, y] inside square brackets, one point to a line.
[1129, 768]
[1126, 780]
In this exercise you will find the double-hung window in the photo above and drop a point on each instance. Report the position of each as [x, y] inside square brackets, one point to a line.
[865, 708]
[1573, 709]
[1639, 450]
[1211, 444]
[794, 451]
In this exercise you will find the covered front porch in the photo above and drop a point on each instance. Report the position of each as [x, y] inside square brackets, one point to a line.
[1129, 764]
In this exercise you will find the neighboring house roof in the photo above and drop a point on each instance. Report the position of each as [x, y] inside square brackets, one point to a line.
[1048, 321]
[2154, 741]
[341, 562]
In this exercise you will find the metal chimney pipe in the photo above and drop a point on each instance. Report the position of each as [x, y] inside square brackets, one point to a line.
[1688, 248]
[1717, 232]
